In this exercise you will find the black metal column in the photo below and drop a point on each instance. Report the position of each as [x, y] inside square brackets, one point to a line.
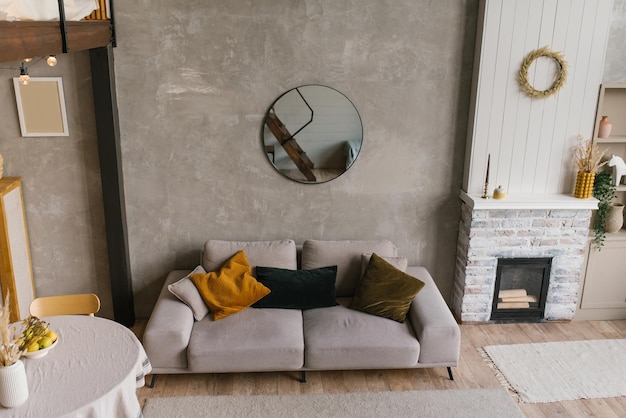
[109, 150]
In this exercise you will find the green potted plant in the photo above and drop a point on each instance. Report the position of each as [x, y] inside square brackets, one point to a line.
[603, 190]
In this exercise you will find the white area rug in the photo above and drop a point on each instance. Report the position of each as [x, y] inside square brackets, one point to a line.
[551, 372]
[483, 403]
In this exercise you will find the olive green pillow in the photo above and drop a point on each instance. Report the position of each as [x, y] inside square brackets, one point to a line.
[385, 291]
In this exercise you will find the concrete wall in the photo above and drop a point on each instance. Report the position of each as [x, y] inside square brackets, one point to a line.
[614, 69]
[194, 80]
[61, 185]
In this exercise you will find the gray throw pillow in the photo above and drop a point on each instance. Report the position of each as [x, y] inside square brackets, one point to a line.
[401, 263]
[187, 292]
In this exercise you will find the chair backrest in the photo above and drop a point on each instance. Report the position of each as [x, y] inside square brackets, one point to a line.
[81, 304]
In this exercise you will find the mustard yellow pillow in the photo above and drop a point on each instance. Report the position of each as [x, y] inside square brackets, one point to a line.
[230, 289]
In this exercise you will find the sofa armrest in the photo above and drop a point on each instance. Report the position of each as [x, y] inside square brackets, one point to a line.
[438, 333]
[168, 330]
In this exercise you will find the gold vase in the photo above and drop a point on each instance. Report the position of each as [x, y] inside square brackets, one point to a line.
[584, 185]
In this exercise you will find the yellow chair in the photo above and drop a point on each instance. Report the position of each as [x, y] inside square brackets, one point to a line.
[81, 304]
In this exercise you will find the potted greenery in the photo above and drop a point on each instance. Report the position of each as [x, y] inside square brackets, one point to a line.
[603, 190]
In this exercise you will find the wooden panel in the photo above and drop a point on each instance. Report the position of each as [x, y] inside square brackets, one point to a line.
[530, 139]
[612, 103]
[16, 275]
[605, 286]
[20, 40]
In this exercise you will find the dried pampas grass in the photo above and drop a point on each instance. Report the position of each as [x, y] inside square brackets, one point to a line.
[588, 156]
[10, 345]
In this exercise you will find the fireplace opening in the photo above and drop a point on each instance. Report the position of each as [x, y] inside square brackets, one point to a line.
[521, 288]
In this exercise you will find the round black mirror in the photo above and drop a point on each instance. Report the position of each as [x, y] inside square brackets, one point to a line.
[312, 134]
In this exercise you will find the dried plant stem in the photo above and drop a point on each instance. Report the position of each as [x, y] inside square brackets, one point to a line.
[588, 156]
[9, 350]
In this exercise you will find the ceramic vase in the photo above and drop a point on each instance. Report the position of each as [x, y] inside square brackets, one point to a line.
[499, 193]
[584, 184]
[615, 220]
[604, 130]
[13, 385]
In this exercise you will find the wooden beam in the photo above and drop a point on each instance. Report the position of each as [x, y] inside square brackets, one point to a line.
[109, 152]
[24, 39]
[289, 143]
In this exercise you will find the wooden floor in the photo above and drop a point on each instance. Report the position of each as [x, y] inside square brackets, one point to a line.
[472, 372]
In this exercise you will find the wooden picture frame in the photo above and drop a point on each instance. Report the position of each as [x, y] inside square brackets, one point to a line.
[16, 271]
[41, 107]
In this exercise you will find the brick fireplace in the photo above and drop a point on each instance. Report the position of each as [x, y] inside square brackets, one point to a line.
[531, 226]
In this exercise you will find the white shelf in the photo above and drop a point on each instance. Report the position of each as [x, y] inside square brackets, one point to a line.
[530, 201]
[613, 139]
[612, 103]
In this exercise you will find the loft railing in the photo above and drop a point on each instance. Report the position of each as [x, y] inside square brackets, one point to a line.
[101, 14]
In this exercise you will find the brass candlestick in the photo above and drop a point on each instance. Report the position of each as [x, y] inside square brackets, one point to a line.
[486, 186]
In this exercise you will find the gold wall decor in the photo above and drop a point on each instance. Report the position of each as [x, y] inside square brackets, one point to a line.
[41, 106]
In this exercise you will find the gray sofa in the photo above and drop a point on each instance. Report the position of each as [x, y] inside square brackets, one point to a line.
[328, 338]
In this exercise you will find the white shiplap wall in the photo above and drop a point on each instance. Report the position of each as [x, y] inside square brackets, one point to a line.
[531, 139]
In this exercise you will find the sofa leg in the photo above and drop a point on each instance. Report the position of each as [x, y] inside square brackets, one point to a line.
[302, 376]
[450, 373]
[152, 381]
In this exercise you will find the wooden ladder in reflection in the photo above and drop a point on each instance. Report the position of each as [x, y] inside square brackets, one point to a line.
[288, 142]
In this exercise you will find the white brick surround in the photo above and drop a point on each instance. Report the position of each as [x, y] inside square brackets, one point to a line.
[508, 230]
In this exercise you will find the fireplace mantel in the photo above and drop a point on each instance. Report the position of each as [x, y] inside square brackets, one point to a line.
[520, 226]
[529, 201]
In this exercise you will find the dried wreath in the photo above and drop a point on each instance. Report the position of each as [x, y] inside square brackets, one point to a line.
[559, 79]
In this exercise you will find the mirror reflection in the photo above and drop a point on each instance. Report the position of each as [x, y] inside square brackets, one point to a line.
[312, 134]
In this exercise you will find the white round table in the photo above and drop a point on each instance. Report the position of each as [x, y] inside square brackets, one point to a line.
[93, 371]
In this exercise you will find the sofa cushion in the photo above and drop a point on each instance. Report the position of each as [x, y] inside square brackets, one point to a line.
[433, 323]
[346, 255]
[230, 289]
[297, 289]
[252, 340]
[385, 291]
[401, 263]
[168, 330]
[280, 254]
[187, 292]
[339, 338]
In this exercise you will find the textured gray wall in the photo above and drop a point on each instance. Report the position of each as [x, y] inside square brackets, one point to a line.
[614, 63]
[61, 186]
[194, 80]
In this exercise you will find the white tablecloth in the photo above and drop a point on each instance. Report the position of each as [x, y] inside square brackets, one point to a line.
[93, 371]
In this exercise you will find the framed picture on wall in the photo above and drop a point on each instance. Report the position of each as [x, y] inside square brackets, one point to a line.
[41, 106]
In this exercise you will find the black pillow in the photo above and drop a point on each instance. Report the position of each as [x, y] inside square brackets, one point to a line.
[297, 289]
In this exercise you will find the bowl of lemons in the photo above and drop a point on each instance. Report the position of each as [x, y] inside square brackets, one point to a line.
[37, 339]
[42, 346]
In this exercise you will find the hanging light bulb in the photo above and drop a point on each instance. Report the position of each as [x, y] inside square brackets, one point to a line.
[51, 60]
[28, 59]
[24, 77]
